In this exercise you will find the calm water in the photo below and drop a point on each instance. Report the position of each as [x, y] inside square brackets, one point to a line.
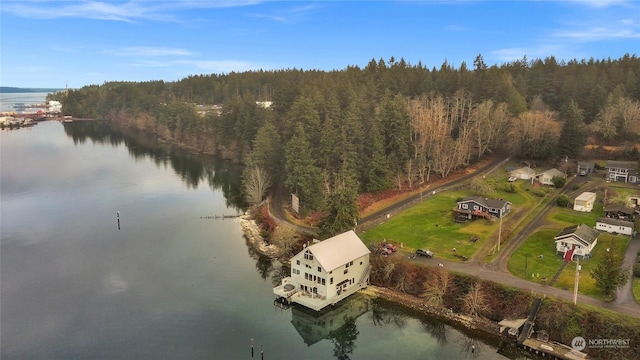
[166, 284]
[9, 100]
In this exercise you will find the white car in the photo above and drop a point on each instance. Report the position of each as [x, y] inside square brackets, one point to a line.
[512, 178]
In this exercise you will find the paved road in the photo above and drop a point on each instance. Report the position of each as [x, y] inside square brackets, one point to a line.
[506, 278]
[497, 270]
[624, 295]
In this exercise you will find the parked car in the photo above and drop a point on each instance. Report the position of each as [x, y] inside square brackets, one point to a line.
[583, 173]
[423, 252]
[390, 246]
[512, 178]
[384, 251]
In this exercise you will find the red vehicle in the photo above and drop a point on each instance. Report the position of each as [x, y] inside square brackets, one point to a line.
[390, 246]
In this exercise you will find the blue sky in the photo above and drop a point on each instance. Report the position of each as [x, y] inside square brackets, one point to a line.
[53, 43]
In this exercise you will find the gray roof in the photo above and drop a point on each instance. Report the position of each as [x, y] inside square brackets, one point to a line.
[619, 208]
[488, 203]
[338, 250]
[631, 165]
[552, 172]
[583, 232]
[616, 222]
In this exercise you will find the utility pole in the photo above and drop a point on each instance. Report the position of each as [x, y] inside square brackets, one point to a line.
[575, 286]
[500, 231]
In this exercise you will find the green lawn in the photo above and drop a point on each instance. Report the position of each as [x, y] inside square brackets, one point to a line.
[430, 225]
[538, 254]
[636, 289]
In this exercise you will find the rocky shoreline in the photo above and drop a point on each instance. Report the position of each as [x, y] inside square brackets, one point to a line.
[252, 233]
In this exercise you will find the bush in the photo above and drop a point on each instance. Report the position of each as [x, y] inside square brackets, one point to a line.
[636, 270]
[562, 200]
[558, 181]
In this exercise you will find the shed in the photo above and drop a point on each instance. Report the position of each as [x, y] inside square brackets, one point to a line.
[584, 202]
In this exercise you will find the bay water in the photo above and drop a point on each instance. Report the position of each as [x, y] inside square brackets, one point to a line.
[107, 253]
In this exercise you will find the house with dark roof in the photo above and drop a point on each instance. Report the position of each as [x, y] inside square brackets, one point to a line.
[474, 207]
[326, 272]
[620, 212]
[615, 226]
[576, 240]
[624, 171]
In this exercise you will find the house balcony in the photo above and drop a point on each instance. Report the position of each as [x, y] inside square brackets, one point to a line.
[287, 291]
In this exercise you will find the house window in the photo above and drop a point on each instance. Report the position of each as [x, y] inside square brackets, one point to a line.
[331, 281]
[319, 269]
[351, 263]
[465, 206]
[308, 255]
[475, 207]
[346, 265]
[360, 262]
[322, 281]
[346, 271]
[297, 262]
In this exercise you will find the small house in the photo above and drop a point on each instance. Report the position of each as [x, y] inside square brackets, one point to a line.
[585, 167]
[524, 173]
[584, 202]
[620, 212]
[576, 240]
[624, 171]
[474, 207]
[326, 272]
[615, 226]
[546, 177]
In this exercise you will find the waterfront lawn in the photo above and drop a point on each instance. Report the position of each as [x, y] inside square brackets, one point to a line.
[430, 225]
[541, 269]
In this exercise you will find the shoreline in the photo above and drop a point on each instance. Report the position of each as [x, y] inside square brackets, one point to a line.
[489, 328]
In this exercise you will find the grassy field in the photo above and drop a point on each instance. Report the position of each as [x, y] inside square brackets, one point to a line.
[538, 255]
[636, 288]
[430, 225]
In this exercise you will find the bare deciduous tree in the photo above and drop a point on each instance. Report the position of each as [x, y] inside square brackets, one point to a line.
[256, 183]
[475, 301]
[436, 288]
[285, 238]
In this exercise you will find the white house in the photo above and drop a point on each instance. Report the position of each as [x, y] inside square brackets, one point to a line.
[524, 173]
[326, 272]
[584, 202]
[545, 177]
[615, 226]
[625, 171]
[576, 240]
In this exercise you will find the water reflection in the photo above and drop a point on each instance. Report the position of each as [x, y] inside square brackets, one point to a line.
[193, 169]
[337, 325]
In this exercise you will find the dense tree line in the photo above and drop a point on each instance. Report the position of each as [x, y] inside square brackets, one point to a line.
[329, 136]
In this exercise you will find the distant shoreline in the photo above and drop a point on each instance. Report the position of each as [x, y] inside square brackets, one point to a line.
[14, 90]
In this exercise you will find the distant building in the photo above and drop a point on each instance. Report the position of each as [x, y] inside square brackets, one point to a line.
[615, 226]
[476, 206]
[584, 202]
[326, 272]
[624, 171]
[524, 173]
[546, 177]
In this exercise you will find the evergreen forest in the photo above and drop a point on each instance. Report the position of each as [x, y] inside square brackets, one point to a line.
[328, 136]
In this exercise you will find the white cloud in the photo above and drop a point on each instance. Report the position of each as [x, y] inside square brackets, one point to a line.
[148, 51]
[223, 66]
[600, 3]
[129, 11]
[517, 53]
[597, 33]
